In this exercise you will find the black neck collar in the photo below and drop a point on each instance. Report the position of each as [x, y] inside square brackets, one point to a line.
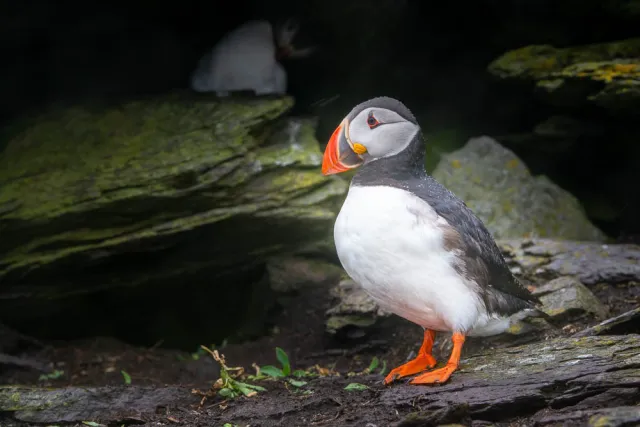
[407, 164]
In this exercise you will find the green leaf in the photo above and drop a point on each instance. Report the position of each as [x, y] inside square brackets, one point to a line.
[301, 373]
[92, 424]
[126, 376]
[384, 367]
[227, 392]
[252, 386]
[272, 371]
[247, 389]
[51, 376]
[284, 361]
[225, 376]
[297, 383]
[256, 377]
[373, 365]
[356, 387]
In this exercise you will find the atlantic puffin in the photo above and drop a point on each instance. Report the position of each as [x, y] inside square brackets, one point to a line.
[246, 58]
[415, 247]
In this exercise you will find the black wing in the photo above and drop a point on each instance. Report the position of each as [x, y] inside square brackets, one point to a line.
[482, 259]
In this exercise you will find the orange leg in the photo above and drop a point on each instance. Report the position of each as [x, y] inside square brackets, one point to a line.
[442, 375]
[424, 360]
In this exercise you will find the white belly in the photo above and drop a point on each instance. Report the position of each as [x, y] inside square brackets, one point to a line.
[391, 243]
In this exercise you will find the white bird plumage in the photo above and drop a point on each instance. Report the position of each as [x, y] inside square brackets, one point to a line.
[391, 243]
[245, 60]
[415, 247]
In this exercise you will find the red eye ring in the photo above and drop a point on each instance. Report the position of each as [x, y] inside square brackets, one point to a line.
[372, 122]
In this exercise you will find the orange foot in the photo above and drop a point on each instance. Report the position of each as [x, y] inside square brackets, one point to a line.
[424, 360]
[435, 377]
[442, 375]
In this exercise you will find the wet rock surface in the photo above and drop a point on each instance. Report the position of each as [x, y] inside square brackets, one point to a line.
[566, 297]
[570, 379]
[122, 404]
[590, 262]
[577, 369]
[627, 322]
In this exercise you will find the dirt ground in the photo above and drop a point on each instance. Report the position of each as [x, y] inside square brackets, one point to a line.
[323, 401]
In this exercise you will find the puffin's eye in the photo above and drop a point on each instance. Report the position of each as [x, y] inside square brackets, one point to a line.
[372, 121]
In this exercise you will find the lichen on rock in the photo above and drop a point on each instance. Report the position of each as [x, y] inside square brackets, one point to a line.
[500, 189]
[179, 185]
[606, 74]
[565, 298]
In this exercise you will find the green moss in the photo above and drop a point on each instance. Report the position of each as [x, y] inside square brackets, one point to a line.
[82, 181]
[540, 61]
[567, 75]
[31, 399]
[499, 188]
[71, 158]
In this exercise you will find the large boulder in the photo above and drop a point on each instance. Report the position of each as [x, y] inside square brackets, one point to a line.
[593, 94]
[154, 196]
[513, 203]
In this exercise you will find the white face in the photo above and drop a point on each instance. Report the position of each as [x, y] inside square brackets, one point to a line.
[381, 131]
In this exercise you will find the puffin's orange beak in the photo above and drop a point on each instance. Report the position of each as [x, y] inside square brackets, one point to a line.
[339, 155]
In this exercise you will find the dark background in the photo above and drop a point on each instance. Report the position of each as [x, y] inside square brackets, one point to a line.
[431, 55]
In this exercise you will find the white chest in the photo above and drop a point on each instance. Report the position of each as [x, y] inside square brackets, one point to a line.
[391, 243]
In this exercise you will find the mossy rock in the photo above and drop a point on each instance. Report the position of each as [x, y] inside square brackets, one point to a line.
[605, 74]
[157, 190]
[512, 203]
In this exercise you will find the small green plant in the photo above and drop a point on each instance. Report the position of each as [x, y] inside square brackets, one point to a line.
[126, 377]
[374, 364]
[51, 376]
[285, 371]
[356, 387]
[383, 370]
[296, 383]
[227, 385]
[196, 355]
[272, 371]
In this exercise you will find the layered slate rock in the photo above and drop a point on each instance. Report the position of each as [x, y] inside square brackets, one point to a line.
[565, 379]
[500, 189]
[591, 263]
[167, 191]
